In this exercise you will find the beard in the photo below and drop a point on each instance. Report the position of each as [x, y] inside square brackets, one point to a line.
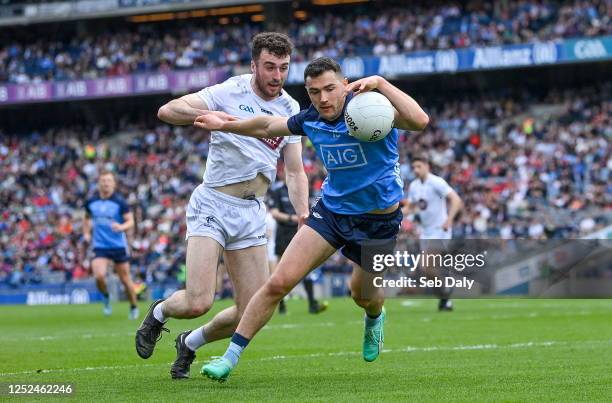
[262, 86]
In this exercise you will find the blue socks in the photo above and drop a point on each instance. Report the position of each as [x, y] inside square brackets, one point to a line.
[237, 345]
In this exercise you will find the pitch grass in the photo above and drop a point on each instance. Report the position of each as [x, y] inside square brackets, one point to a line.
[491, 350]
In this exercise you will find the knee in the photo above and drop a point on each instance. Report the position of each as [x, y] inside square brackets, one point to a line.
[198, 306]
[359, 300]
[277, 288]
[366, 301]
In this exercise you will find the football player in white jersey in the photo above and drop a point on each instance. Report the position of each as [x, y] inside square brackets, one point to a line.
[428, 196]
[226, 213]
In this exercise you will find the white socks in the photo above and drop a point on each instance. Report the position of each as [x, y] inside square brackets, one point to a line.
[158, 314]
[195, 339]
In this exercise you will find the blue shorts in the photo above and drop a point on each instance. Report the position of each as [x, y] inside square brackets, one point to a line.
[119, 255]
[357, 235]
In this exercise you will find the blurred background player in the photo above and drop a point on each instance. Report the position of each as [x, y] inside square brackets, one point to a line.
[108, 217]
[359, 203]
[286, 227]
[227, 214]
[428, 196]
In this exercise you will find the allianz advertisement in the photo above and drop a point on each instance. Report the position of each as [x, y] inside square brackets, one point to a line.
[392, 66]
[456, 60]
[51, 294]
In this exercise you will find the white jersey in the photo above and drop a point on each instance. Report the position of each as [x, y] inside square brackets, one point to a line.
[430, 197]
[233, 158]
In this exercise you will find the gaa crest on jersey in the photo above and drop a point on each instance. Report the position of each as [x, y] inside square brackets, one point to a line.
[422, 204]
[246, 108]
[272, 142]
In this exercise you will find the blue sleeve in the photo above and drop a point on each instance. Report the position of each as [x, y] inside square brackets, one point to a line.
[295, 123]
[87, 209]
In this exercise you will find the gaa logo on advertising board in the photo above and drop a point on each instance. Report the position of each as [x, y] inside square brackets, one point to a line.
[589, 49]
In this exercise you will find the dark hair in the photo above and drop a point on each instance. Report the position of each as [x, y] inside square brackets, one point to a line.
[320, 65]
[274, 42]
[420, 158]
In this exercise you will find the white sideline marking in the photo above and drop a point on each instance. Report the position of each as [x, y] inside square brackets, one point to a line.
[131, 334]
[298, 325]
[409, 349]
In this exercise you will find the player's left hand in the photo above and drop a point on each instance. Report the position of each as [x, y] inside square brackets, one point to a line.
[116, 227]
[226, 117]
[363, 85]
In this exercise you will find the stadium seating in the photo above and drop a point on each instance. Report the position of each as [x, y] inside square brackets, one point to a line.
[135, 48]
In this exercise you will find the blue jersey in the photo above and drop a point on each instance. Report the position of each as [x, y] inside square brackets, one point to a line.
[103, 212]
[362, 176]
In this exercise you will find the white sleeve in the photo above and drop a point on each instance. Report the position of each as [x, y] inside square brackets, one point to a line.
[295, 109]
[411, 195]
[441, 187]
[213, 96]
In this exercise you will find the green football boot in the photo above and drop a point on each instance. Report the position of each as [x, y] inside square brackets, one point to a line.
[217, 369]
[373, 339]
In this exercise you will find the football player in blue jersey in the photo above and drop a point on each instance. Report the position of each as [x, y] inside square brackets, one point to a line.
[359, 203]
[108, 217]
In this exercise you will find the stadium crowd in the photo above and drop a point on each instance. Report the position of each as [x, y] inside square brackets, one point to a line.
[186, 44]
[519, 174]
[523, 175]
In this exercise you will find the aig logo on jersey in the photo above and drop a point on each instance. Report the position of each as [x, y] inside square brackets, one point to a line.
[247, 108]
[343, 156]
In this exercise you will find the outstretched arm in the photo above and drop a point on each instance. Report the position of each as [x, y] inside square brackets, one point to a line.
[260, 126]
[184, 110]
[408, 113]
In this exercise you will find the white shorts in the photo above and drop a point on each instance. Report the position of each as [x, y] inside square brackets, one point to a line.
[234, 223]
[435, 240]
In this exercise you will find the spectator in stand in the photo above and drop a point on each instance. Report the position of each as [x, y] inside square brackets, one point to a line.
[363, 30]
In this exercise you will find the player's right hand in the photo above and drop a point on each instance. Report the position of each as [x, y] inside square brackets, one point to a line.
[213, 120]
[87, 238]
